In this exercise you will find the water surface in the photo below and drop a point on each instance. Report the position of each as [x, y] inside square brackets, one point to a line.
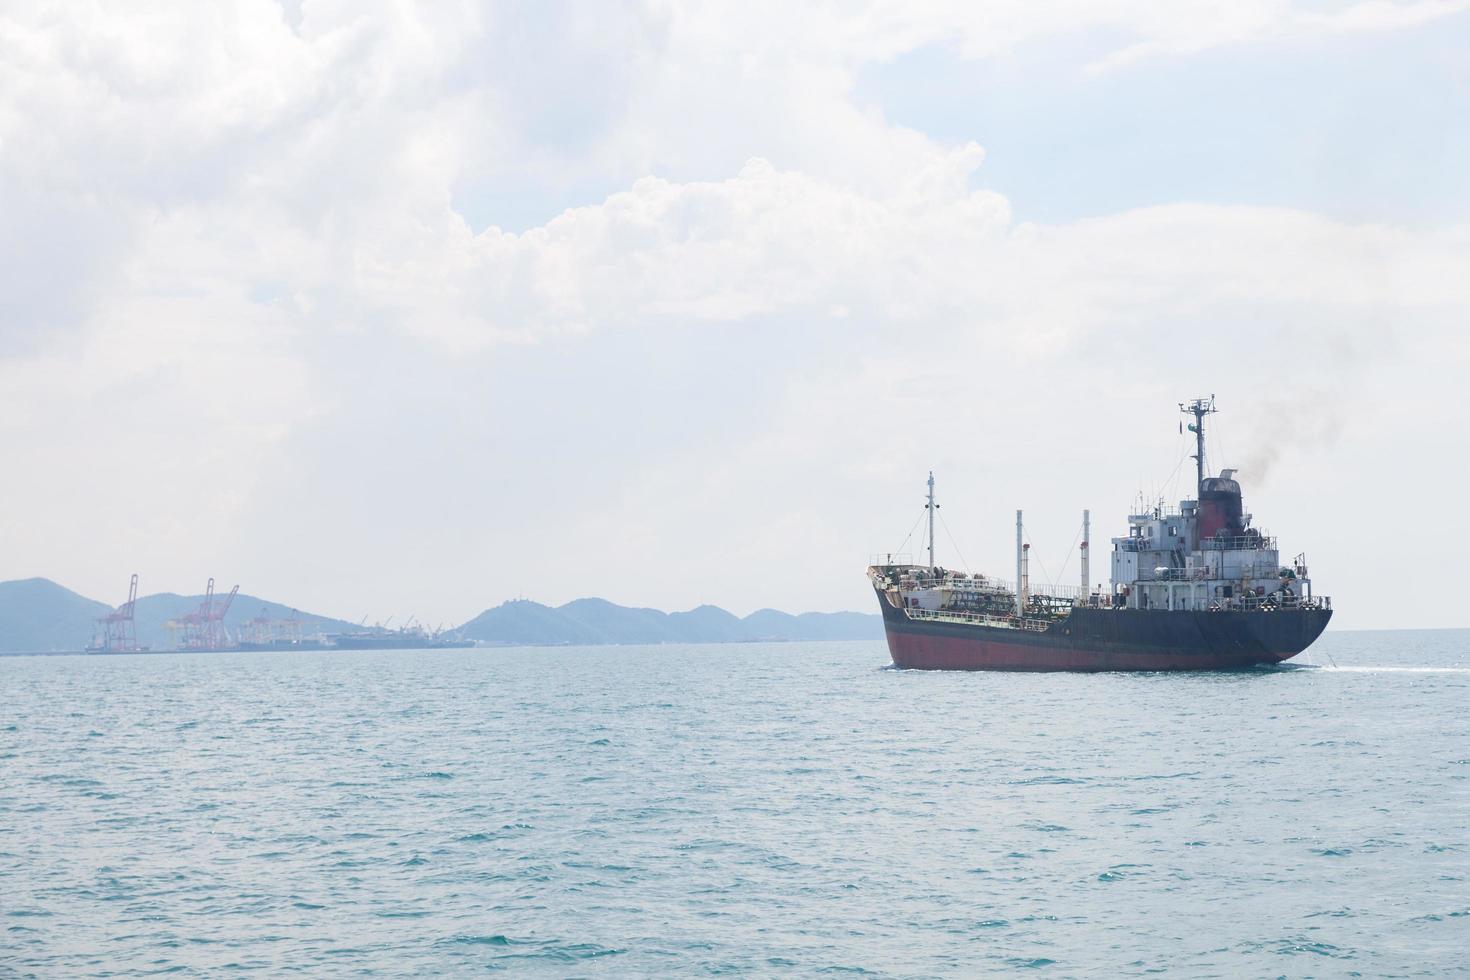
[743, 809]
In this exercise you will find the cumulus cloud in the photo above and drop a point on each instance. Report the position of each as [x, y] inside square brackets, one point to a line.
[230, 229]
[1135, 311]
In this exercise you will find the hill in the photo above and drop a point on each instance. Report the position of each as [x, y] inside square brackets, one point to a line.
[522, 622]
[39, 616]
[596, 621]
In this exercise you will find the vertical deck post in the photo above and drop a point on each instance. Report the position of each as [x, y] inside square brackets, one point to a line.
[1086, 571]
[930, 508]
[1020, 592]
[1025, 577]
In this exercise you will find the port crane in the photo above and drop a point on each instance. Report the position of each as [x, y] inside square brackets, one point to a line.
[204, 629]
[118, 630]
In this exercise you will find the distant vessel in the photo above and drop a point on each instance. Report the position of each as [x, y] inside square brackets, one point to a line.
[253, 646]
[1192, 589]
[268, 633]
[403, 638]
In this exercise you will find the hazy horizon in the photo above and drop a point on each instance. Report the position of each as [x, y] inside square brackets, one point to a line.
[394, 619]
[372, 307]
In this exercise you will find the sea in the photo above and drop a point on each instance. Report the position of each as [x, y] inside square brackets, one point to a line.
[744, 809]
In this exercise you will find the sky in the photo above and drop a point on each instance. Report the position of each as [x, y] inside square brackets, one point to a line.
[393, 309]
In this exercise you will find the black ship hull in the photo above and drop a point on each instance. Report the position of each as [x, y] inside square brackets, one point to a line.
[1106, 639]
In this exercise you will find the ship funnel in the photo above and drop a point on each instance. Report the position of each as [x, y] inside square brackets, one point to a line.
[1220, 507]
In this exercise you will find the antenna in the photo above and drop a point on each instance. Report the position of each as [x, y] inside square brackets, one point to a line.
[931, 507]
[1199, 408]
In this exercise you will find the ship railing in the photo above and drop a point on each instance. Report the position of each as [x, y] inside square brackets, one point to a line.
[1167, 512]
[1100, 600]
[1044, 591]
[1197, 573]
[986, 584]
[1269, 603]
[1053, 596]
[980, 619]
[1141, 545]
[890, 559]
[1239, 542]
[974, 583]
[1205, 573]
[955, 582]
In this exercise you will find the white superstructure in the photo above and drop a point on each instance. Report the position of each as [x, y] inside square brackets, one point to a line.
[1205, 555]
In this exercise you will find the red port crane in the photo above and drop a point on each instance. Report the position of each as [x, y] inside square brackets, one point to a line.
[204, 629]
[118, 631]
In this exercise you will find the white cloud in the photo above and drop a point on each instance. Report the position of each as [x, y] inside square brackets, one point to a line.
[1189, 29]
[213, 211]
[1307, 327]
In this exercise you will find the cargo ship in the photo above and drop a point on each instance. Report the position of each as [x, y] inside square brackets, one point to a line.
[403, 638]
[1197, 588]
[278, 645]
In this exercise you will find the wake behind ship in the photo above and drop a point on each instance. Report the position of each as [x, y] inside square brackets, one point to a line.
[1192, 589]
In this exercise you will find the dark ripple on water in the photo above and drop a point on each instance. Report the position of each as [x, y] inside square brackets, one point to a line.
[732, 810]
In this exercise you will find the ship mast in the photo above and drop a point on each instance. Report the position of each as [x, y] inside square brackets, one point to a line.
[1020, 569]
[1086, 540]
[931, 507]
[1199, 408]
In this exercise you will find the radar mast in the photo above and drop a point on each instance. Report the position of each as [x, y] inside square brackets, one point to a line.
[1199, 408]
[931, 507]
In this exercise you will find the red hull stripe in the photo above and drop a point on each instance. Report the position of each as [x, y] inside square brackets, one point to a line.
[931, 652]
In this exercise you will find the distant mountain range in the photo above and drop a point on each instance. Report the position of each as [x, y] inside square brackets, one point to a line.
[590, 621]
[37, 615]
